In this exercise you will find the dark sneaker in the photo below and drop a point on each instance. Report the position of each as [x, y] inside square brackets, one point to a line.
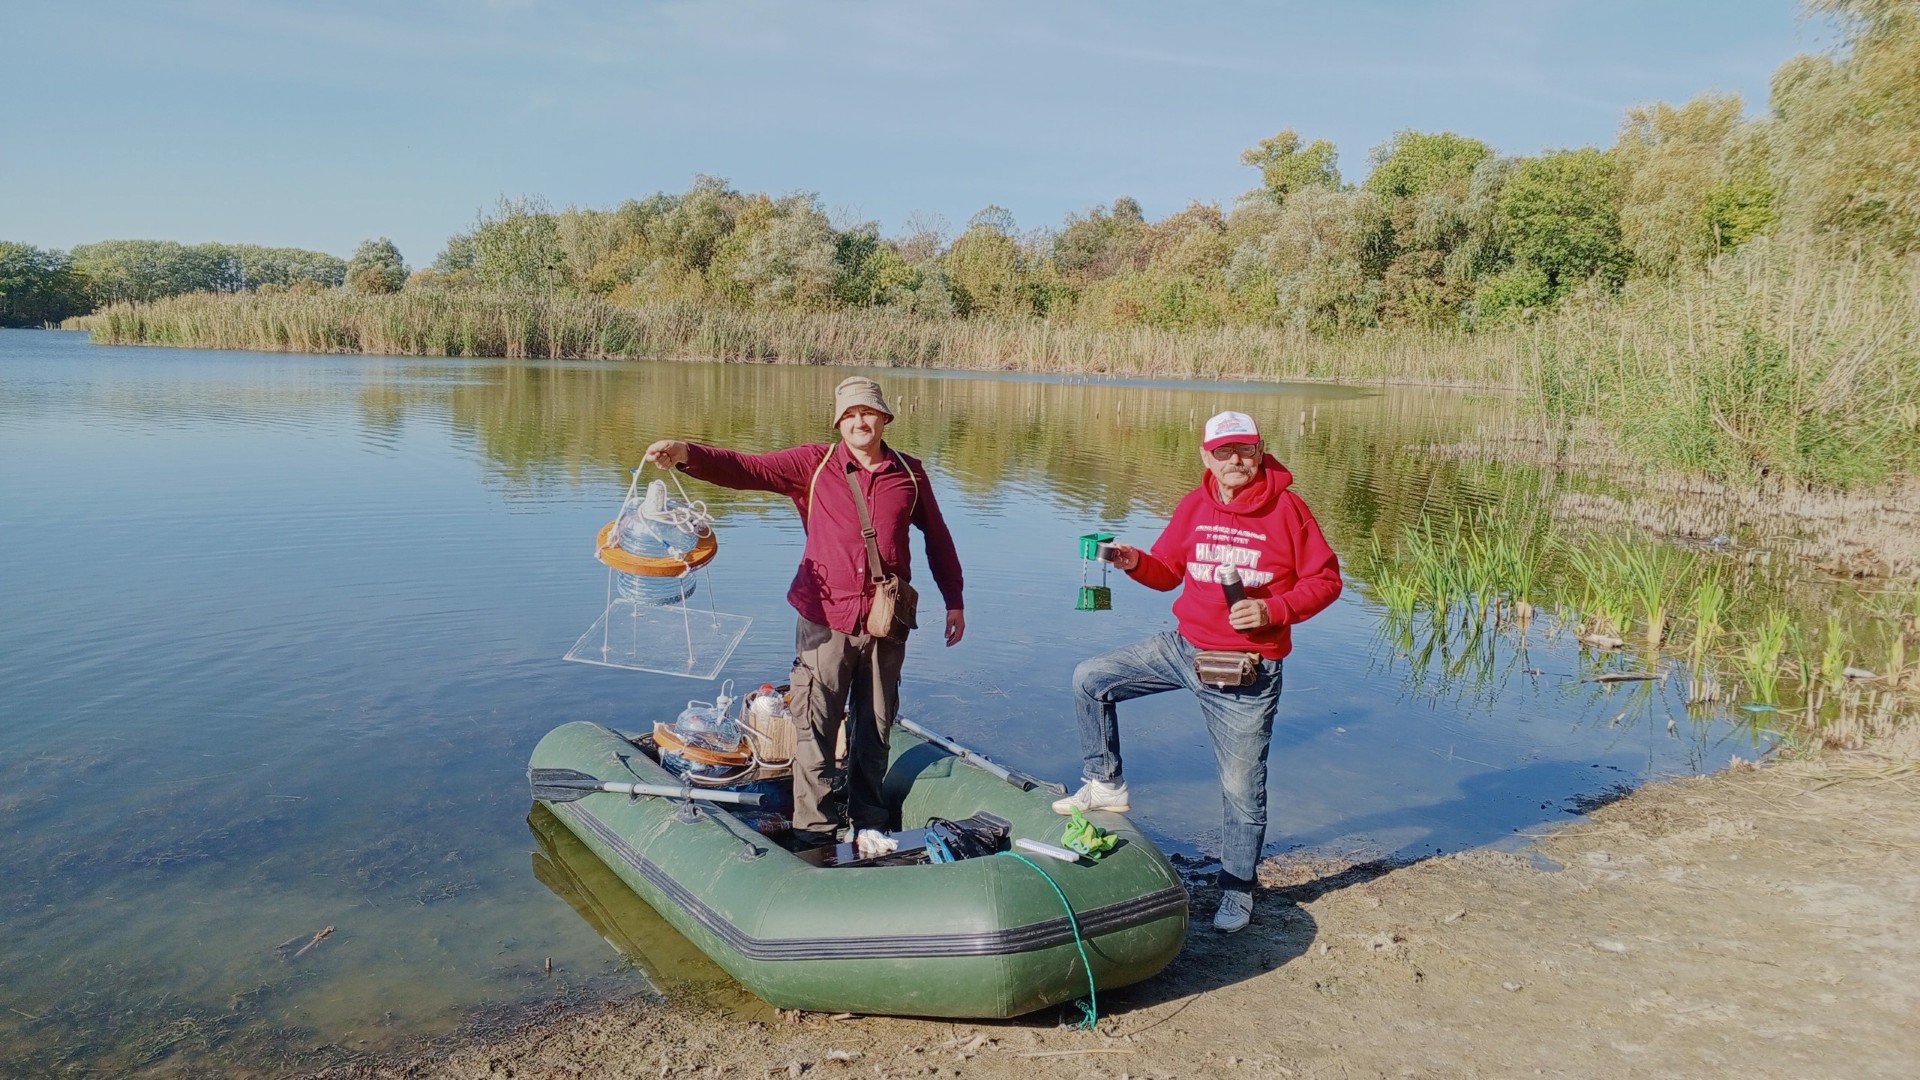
[808, 839]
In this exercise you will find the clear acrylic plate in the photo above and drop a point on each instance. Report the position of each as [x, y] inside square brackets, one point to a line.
[670, 640]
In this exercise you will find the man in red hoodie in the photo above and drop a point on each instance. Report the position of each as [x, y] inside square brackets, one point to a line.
[1243, 515]
[840, 668]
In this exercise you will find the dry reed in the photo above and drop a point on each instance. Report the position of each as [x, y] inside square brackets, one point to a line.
[517, 326]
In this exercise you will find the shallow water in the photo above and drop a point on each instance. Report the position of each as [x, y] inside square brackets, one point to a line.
[277, 633]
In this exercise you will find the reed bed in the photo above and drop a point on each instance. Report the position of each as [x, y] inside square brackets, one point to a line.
[1775, 362]
[514, 326]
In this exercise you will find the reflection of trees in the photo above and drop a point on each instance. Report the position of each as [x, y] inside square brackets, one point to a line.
[1104, 449]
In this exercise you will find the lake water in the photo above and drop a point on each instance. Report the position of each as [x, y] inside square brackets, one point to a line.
[278, 632]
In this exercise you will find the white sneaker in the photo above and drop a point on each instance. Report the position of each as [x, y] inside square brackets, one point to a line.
[1095, 795]
[1236, 910]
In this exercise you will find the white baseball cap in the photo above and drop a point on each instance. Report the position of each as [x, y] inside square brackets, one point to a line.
[1230, 427]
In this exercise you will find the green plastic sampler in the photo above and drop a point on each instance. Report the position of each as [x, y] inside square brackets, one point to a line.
[983, 937]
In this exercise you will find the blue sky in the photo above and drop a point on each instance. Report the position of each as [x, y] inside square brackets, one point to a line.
[316, 124]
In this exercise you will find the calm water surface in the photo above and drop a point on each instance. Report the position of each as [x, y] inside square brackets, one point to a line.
[277, 633]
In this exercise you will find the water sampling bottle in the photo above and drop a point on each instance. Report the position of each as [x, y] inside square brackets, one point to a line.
[768, 706]
[708, 725]
[1229, 578]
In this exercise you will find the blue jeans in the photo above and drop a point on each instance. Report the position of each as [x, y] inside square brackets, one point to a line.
[1239, 720]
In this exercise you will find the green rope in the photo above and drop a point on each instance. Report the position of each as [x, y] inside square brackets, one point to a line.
[1090, 1008]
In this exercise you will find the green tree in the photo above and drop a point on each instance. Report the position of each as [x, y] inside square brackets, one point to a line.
[1101, 244]
[1511, 296]
[679, 238]
[1193, 242]
[985, 271]
[1426, 180]
[1286, 168]
[37, 286]
[1309, 259]
[997, 218]
[927, 292]
[870, 270]
[376, 268]
[1692, 186]
[1480, 249]
[587, 241]
[1745, 203]
[1847, 130]
[517, 247]
[461, 253]
[1560, 213]
[788, 260]
[259, 267]
[1413, 164]
[142, 270]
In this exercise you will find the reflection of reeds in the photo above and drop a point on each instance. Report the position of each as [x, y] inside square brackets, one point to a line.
[1707, 614]
[1650, 573]
[1605, 611]
[1391, 585]
[1760, 653]
[1470, 571]
[1619, 578]
[1835, 659]
[1901, 625]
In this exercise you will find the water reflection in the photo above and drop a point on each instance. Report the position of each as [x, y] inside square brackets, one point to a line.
[670, 963]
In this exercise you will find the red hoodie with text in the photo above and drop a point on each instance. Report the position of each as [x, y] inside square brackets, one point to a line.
[1268, 533]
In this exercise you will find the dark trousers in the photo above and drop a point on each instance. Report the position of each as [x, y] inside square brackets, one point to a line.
[851, 680]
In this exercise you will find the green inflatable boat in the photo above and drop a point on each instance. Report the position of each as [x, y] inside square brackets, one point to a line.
[996, 935]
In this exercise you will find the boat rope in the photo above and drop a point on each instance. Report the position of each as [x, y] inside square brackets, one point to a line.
[1090, 1008]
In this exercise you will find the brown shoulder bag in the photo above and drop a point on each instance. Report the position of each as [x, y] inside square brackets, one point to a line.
[896, 604]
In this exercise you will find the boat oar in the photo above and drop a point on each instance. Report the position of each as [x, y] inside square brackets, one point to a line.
[566, 785]
[1023, 781]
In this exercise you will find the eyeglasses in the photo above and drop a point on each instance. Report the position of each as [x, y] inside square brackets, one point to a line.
[1235, 450]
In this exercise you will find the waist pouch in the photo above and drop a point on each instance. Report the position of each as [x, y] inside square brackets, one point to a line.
[1221, 668]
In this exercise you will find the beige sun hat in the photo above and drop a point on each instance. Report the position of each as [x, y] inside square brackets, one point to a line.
[858, 390]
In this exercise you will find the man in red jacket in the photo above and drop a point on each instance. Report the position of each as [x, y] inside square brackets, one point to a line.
[839, 666]
[1244, 515]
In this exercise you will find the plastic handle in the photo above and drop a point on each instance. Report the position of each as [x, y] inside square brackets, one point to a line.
[1050, 851]
[668, 791]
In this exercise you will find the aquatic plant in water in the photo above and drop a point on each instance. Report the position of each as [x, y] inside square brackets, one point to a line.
[1472, 570]
[1760, 654]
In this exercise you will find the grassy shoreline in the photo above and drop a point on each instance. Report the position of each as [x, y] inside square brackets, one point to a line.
[1775, 364]
[522, 326]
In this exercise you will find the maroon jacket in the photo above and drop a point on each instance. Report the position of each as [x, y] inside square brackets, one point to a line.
[832, 587]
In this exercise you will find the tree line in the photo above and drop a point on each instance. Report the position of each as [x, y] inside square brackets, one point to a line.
[1443, 233]
[40, 286]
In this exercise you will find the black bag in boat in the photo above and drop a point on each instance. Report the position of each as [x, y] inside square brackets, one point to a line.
[967, 838]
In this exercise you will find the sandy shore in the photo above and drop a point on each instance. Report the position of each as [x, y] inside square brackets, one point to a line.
[1759, 922]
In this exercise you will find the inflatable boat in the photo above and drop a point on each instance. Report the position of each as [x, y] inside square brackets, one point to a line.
[994, 935]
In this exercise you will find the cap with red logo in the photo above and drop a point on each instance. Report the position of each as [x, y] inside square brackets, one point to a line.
[1230, 427]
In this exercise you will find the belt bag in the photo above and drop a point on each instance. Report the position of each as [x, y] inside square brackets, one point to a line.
[896, 604]
[1220, 668]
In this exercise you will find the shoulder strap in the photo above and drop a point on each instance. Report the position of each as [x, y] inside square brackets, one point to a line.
[808, 520]
[913, 479]
[876, 572]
